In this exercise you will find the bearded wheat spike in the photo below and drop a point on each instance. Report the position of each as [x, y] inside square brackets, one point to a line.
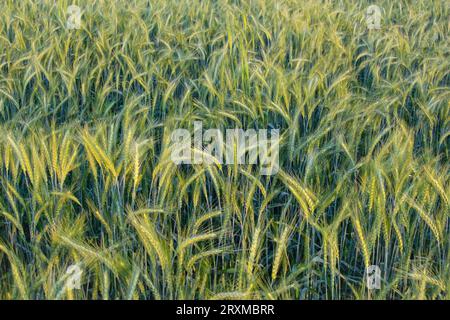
[281, 247]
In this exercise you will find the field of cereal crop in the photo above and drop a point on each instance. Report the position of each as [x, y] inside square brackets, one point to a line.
[89, 188]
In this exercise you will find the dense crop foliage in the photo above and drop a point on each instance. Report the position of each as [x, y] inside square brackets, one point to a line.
[86, 176]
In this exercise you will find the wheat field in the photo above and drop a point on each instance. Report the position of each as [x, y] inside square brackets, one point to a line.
[86, 177]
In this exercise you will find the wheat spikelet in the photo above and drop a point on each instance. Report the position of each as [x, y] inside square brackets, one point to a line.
[150, 239]
[281, 247]
[299, 193]
[437, 184]
[235, 295]
[16, 271]
[362, 239]
[397, 232]
[202, 255]
[372, 193]
[428, 220]
[254, 249]
[197, 238]
[204, 218]
[136, 168]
